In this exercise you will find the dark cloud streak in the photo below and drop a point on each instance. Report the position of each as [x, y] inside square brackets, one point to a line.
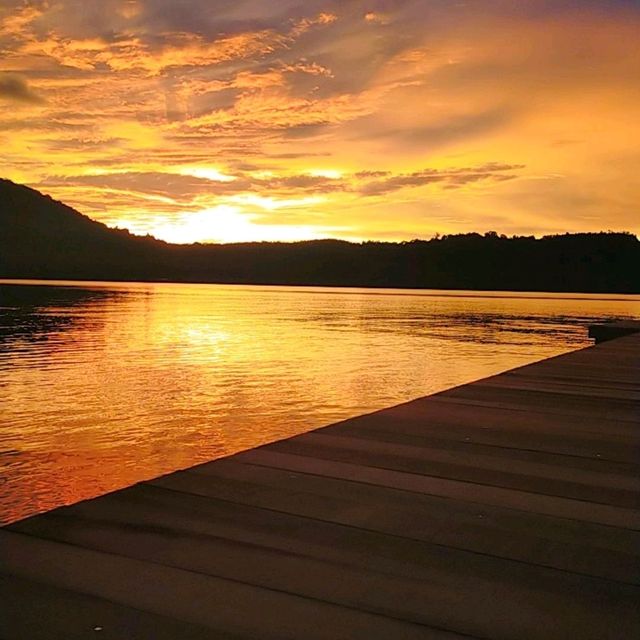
[15, 89]
[187, 188]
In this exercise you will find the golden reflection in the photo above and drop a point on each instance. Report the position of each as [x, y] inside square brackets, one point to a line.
[103, 385]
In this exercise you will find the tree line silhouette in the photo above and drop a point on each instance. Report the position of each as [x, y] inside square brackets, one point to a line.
[43, 238]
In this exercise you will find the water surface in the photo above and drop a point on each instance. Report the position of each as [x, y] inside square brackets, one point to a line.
[106, 384]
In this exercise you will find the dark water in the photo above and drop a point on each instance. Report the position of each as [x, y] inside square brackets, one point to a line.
[102, 385]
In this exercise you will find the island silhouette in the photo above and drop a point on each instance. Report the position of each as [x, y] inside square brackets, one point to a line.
[45, 239]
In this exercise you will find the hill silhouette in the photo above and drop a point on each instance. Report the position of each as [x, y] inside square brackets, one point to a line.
[43, 238]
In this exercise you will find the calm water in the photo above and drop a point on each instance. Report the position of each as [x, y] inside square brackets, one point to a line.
[105, 384]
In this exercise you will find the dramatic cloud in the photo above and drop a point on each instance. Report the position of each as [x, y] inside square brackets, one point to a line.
[452, 178]
[356, 118]
[15, 88]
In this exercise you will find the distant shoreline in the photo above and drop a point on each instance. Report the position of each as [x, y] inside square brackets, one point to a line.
[343, 289]
[45, 239]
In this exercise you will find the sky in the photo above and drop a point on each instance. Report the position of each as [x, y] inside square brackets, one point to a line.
[243, 120]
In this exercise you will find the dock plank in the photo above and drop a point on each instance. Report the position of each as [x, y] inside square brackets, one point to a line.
[589, 486]
[585, 436]
[441, 510]
[482, 494]
[43, 612]
[515, 450]
[420, 593]
[192, 596]
[598, 552]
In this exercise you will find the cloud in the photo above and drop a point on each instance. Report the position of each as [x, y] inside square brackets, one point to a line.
[372, 174]
[304, 183]
[447, 129]
[15, 88]
[173, 186]
[187, 189]
[449, 178]
[357, 111]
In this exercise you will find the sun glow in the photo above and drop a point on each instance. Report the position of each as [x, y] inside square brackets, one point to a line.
[392, 122]
[208, 173]
[332, 174]
[226, 224]
[273, 204]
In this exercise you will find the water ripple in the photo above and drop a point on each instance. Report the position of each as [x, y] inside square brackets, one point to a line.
[103, 385]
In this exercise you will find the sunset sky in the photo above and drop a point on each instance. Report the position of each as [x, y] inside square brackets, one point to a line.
[233, 120]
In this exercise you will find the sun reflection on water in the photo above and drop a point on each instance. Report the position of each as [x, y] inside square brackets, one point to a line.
[103, 385]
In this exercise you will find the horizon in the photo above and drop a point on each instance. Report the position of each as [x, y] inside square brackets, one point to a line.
[436, 236]
[221, 122]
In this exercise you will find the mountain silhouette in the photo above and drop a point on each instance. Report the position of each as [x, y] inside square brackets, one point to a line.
[43, 238]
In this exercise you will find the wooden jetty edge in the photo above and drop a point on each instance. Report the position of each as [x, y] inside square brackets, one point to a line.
[507, 509]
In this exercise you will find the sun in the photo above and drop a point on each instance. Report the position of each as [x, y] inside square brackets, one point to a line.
[227, 224]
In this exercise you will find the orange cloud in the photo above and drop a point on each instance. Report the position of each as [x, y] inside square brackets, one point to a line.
[394, 121]
[16, 89]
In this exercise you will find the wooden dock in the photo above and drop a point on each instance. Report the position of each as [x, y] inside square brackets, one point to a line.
[507, 509]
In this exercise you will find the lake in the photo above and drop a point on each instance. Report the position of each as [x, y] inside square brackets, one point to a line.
[106, 384]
